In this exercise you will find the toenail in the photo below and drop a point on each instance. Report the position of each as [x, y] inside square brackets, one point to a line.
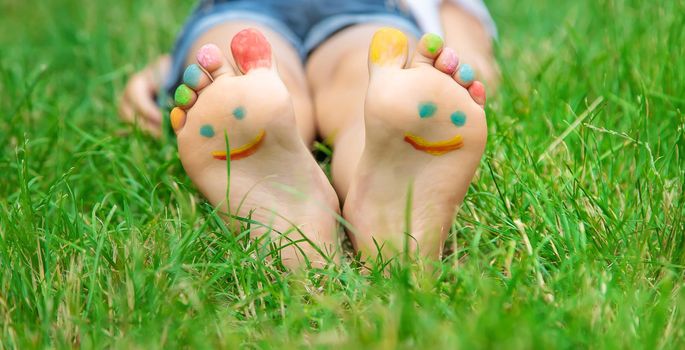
[251, 50]
[450, 61]
[427, 109]
[183, 95]
[207, 131]
[208, 55]
[433, 42]
[458, 118]
[192, 75]
[178, 118]
[239, 113]
[466, 73]
[389, 46]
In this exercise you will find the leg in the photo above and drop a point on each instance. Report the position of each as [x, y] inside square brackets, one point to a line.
[385, 147]
[274, 180]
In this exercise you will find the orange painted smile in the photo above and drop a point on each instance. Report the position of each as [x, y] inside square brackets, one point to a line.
[435, 148]
[243, 151]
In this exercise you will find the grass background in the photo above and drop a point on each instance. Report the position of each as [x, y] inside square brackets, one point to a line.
[570, 237]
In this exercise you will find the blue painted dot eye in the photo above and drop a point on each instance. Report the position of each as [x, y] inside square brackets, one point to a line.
[239, 113]
[207, 130]
[458, 118]
[427, 109]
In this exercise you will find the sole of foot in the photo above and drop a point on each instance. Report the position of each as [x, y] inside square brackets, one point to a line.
[425, 133]
[274, 180]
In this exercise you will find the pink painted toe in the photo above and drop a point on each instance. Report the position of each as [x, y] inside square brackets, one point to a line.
[251, 50]
[448, 61]
[209, 57]
[477, 92]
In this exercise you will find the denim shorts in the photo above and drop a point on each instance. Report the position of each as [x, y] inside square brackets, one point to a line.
[306, 24]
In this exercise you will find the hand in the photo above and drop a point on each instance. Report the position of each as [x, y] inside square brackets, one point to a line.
[138, 100]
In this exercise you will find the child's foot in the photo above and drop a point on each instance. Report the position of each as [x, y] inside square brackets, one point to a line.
[425, 135]
[274, 179]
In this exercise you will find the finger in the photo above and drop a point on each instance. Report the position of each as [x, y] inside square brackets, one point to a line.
[142, 97]
[131, 114]
[125, 109]
[160, 71]
[149, 109]
[153, 128]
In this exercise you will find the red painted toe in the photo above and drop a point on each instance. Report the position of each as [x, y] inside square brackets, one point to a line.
[477, 91]
[251, 50]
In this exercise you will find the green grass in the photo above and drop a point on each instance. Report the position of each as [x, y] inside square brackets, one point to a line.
[572, 235]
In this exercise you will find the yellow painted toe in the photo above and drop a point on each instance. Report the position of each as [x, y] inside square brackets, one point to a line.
[178, 118]
[389, 46]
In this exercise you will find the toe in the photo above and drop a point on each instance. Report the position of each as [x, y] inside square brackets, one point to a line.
[251, 50]
[447, 62]
[213, 61]
[195, 78]
[184, 96]
[389, 48]
[428, 49]
[178, 119]
[465, 75]
[477, 92]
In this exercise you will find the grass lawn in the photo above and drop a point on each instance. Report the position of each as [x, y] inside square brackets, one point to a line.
[571, 236]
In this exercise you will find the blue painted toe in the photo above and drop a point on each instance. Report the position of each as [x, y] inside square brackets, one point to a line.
[192, 75]
[466, 73]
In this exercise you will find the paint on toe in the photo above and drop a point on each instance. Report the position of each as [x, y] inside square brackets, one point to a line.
[239, 113]
[207, 131]
[183, 95]
[178, 118]
[458, 118]
[433, 43]
[448, 60]
[209, 56]
[192, 75]
[251, 50]
[466, 73]
[388, 46]
[427, 109]
[477, 91]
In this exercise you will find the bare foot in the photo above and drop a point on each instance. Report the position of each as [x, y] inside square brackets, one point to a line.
[273, 177]
[425, 135]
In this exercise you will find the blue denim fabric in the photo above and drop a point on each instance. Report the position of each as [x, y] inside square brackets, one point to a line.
[306, 24]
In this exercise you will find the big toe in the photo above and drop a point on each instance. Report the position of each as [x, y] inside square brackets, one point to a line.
[251, 50]
[389, 48]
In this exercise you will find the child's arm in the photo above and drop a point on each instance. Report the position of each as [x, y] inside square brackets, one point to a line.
[138, 99]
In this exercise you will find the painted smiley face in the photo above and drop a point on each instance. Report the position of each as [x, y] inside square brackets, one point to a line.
[243, 151]
[436, 148]
[235, 153]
